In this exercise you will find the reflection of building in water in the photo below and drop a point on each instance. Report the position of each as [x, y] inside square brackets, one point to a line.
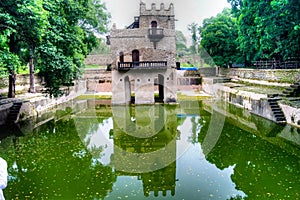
[145, 146]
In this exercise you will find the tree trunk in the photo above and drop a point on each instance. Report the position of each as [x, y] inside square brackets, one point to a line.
[12, 84]
[12, 74]
[31, 72]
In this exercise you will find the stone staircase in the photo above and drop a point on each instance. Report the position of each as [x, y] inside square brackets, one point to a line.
[277, 112]
[292, 91]
[14, 112]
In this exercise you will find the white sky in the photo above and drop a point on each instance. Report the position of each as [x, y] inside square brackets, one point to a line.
[186, 11]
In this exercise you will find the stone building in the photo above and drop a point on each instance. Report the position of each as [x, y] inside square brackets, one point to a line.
[144, 58]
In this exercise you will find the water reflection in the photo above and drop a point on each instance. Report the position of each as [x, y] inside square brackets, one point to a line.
[95, 151]
[147, 142]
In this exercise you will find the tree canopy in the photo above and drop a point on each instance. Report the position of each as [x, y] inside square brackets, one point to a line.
[268, 29]
[218, 38]
[252, 30]
[58, 34]
[181, 47]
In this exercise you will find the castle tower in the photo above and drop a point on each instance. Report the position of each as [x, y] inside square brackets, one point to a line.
[143, 58]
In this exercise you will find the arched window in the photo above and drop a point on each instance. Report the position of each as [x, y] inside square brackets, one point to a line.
[135, 56]
[154, 24]
[154, 27]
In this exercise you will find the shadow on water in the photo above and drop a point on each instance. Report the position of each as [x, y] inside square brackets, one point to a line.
[8, 130]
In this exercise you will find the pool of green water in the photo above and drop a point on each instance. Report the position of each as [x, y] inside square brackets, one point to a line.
[89, 149]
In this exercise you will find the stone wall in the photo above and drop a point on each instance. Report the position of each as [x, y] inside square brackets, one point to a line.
[291, 114]
[271, 75]
[99, 59]
[22, 83]
[127, 40]
[208, 71]
[39, 103]
[97, 80]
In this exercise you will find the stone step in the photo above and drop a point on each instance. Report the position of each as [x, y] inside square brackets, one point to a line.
[282, 120]
[276, 109]
[295, 86]
[14, 112]
[272, 95]
[287, 92]
[273, 103]
[275, 106]
[274, 99]
[277, 112]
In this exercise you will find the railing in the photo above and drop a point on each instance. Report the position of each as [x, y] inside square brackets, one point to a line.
[124, 66]
[275, 64]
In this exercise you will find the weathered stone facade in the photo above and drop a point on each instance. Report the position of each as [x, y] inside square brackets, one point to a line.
[98, 59]
[150, 40]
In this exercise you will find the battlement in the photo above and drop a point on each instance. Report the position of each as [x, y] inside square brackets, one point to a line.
[154, 11]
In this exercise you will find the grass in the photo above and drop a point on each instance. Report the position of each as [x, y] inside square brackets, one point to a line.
[25, 69]
[93, 96]
[262, 89]
[94, 67]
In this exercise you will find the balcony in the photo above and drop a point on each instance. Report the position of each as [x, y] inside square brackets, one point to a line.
[155, 34]
[148, 65]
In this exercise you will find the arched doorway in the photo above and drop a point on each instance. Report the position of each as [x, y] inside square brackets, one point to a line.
[121, 57]
[160, 80]
[135, 57]
[127, 86]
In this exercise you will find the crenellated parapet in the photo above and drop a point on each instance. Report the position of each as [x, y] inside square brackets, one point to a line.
[156, 11]
[162, 16]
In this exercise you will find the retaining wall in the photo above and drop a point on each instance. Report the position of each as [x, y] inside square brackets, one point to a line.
[39, 103]
[271, 75]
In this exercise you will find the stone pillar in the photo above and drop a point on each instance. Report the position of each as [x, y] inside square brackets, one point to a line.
[121, 90]
[170, 83]
[144, 89]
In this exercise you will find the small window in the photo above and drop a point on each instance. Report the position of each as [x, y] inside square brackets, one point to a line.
[153, 24]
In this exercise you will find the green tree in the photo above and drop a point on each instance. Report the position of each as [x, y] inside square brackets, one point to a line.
[268, 29]
[102, 47]
[219, 39]
[193, 28]
[58, 34]
[70, 38]
[181, 44]
[32, 24]
[9, 59]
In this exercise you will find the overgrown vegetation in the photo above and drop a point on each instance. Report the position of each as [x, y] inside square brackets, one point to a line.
[52, 36]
